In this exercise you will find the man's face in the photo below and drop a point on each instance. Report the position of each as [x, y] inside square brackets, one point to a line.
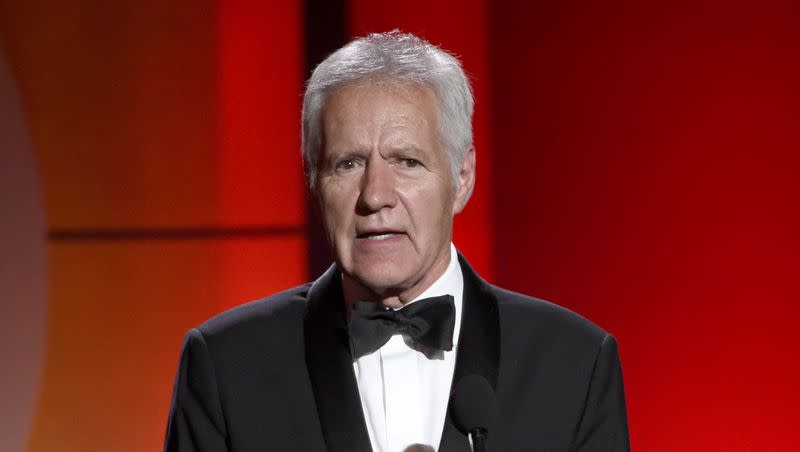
[384, 188]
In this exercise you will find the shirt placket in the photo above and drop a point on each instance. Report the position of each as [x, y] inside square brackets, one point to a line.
[401, 397]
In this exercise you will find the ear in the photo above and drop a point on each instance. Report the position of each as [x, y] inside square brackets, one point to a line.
[466, 181]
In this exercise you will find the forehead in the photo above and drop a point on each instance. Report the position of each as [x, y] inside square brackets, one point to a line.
[382, 90]
[379, 110]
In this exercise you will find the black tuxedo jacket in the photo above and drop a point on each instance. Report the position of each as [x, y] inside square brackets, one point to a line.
[277, 375]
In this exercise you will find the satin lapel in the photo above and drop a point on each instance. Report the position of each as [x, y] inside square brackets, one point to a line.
[452, 439]
[330, 367]
[478, 346]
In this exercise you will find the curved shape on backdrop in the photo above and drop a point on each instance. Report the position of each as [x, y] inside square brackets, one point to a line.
[23, 271]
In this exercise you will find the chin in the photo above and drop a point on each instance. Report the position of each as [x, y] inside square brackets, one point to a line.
[381, 278]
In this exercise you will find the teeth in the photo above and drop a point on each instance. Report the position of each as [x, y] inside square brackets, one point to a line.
[379, 237]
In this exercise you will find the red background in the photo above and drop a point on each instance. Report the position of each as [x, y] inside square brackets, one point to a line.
[638, 163]
[649, 161]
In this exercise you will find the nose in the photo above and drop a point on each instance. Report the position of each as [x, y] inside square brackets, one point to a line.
[377, 187]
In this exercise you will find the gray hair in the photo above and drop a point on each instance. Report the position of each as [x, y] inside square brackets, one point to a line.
[394, 57]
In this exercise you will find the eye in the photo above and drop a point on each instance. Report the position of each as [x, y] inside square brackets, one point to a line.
[346, 164]
[411, 163]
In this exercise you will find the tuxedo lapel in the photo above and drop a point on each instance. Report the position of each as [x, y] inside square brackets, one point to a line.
[478, 347]
[330, 367]
[452, 439]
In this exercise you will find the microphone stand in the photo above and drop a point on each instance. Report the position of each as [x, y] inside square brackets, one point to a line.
[478, 436]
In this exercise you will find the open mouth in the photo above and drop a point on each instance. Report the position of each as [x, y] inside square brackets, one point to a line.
[382, 235]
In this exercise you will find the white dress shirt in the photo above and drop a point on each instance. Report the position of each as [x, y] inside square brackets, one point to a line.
[404, 394]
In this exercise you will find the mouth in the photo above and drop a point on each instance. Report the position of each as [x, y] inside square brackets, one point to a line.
[378, 235]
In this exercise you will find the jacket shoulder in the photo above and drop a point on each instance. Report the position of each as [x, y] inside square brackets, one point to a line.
[278, 315]
[545, 318]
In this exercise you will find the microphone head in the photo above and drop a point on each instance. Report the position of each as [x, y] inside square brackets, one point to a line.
[472, 403]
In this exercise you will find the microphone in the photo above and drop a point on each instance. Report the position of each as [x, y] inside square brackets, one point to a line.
[472, 405]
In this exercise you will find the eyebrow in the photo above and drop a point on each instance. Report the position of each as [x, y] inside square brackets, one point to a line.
[344, 154]
[350, 152]
[410, 149]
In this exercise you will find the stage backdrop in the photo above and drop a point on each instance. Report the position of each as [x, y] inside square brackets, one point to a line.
[637, 163]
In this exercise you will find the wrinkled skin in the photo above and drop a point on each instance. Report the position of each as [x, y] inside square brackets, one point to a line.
[385, 192]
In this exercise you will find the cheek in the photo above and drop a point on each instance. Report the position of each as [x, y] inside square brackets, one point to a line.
[430, 208]
[336, 210]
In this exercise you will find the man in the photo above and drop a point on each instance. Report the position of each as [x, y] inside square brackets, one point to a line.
[366, 357]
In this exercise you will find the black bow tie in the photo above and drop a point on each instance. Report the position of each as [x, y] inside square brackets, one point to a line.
[429, 322]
